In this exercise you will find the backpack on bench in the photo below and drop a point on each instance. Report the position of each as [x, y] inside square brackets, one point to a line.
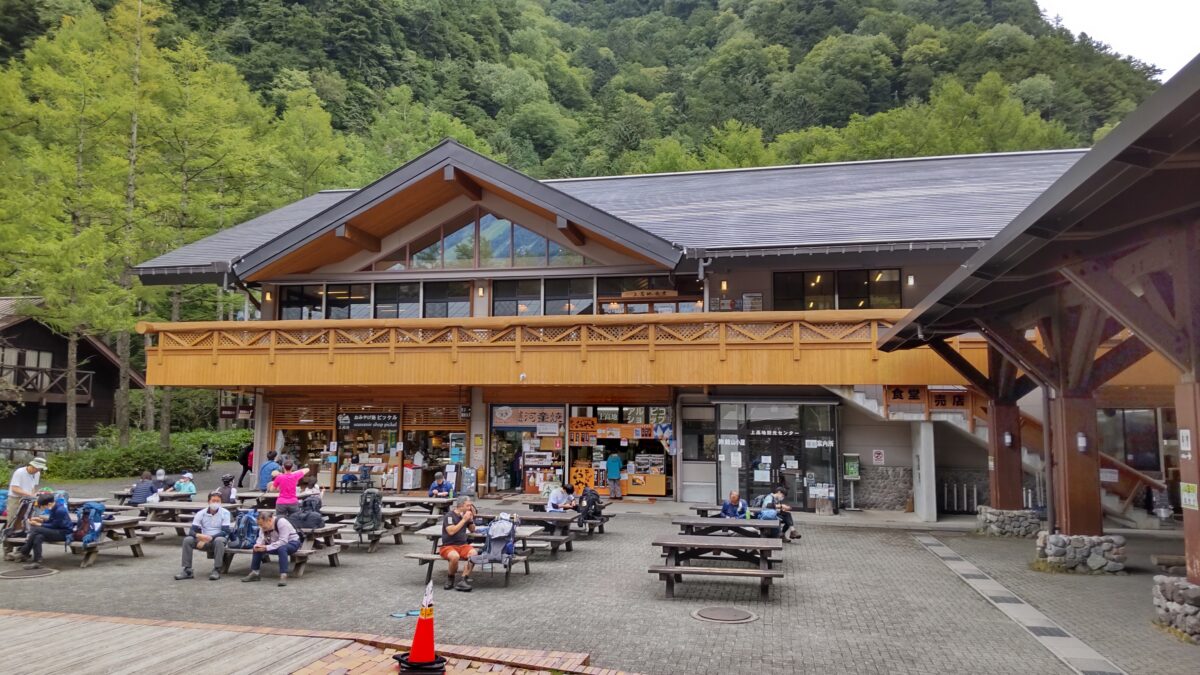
[89, 525]
[370, 516]
[309, 516]
[245, 531]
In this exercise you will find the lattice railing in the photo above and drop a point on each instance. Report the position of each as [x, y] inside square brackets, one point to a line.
[710, 331]
[30, 382]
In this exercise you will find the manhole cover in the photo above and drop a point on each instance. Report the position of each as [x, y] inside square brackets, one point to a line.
[27, 574]
[724, 615]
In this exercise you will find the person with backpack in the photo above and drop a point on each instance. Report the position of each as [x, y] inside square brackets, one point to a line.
[24, 482]
[266, 471]
[774, 508]
[53, 525]
[246, 459]
[457, 525]
[227, 491]
[285, 483]
[141, 490]
[210, 529]
[734, 507]
[275, 535]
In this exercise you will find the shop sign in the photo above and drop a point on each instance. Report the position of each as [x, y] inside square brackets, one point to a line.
[642, 431]
[811, 443]
[1109, 476]
[520, 416]
[648, 293]
[852, 469]
[877, 457]
[464, 412]
[582, 438]
[608, 432]
[533, 458]
[547, 428]
[1185, 445]
[583, 424]
[381, 420]
[233, 412]
[774, 432]
[1188, 498]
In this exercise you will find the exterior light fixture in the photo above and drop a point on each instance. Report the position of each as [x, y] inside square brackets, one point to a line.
[724, 285]
[1081, 441]
[1008, 439]
[912, 281]
[268, 296]
[481, 291]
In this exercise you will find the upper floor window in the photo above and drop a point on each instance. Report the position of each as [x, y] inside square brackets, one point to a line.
[448, 299]
[302, 302]
[348, 301]
[844, 289]
[517, 297]
[649, 295]
[480, 239]
[398, 301]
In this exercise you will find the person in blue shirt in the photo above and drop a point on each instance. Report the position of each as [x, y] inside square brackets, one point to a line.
[734, 507]
[613, 466]
[440, 487]
[54, 525]
[269, 468]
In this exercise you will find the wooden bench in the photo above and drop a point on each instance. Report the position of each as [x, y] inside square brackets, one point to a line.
[590, 527]
[431, 558]
[673, 573]
[181, 528]
[554, 540]
[118, 532]
[1170, 564]
[371, 540]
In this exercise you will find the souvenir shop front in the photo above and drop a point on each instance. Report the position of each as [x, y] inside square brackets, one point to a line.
[641, 435]
[526, 447]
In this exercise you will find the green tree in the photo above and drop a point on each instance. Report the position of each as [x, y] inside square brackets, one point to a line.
[403, 129]
[305, 153]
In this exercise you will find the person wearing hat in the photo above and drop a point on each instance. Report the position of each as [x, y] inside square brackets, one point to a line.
[24, 483]
[53, 525]
[440, 487]
[227, 491]
[184, 485]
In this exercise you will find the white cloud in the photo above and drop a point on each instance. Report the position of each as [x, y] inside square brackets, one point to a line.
[1159, 32]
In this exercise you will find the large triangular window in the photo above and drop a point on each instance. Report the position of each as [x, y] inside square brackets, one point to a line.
[480, 240]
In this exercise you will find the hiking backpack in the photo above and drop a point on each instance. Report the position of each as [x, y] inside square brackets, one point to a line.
[309, 517]
[18, 522]
[89, 524]
[245, 531]
[369, 517]
[501, 537]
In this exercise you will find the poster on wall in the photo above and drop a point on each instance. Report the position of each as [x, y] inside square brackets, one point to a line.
[752, 302]
[877, 457]
[1188, 497]
[547, 428]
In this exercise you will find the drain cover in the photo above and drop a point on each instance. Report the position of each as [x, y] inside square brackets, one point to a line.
[724, 615]
[27, 574]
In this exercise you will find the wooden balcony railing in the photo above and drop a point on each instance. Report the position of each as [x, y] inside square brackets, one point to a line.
[43, 384]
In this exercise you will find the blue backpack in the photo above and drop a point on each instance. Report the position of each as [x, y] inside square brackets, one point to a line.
[245, 531]
[89, 524]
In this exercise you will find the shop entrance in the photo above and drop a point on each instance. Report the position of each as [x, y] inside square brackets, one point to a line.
[773, 464]
[780, 444]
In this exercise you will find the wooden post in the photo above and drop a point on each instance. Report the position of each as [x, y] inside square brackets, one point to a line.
[1004, 460]
[454, 344]
[520, 330]
[216, 342]
[721, 340]
[1076, 473]
[796, 341]
[1187, 411]
[650, 333]
[874, 339]
[391, 345]
[271, 352]
[583, 342]
[330, 337]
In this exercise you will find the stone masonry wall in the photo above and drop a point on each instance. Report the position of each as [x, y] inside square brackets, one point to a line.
[885, 488]
[20, 450]
[1081, 554]
[1177, 606]
[1000, 523]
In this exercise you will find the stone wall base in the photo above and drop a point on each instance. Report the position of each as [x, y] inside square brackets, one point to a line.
[1081, 554]
[20, 450]
[1000, 523]
[1177, 606]
[885, 488]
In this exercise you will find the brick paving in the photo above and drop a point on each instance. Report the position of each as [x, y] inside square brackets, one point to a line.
[854, 600]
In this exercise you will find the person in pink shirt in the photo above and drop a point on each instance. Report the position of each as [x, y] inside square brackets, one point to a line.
[285, 482]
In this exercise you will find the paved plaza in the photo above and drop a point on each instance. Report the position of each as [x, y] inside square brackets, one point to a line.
[854, 600]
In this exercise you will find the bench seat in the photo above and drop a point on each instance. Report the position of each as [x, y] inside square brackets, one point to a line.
[300, 557]
[555, 540]
[431, 559]
[672, 573]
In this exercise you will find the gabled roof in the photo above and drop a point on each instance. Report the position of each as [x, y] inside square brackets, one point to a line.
[11, 315]
[931, 199]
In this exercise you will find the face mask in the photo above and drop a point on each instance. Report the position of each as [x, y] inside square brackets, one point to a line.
[212, 508]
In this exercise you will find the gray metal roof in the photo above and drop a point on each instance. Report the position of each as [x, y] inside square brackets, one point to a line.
[954, 198]
[909, 200]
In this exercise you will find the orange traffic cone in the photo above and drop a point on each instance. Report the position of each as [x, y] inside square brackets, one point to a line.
[422, 658]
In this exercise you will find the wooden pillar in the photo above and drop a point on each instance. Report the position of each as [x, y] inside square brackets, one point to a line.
[1005, 476]
[1076, 474]
[1187, 411]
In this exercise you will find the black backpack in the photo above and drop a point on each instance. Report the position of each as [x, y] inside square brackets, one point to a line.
[309, 517]
[369, 517]
[589, 505]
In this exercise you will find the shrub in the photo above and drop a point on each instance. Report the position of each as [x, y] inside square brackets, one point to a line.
[224, 444]
[108, 460]
[5, 473]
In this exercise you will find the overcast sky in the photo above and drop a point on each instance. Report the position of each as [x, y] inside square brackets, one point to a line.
[1160, 32]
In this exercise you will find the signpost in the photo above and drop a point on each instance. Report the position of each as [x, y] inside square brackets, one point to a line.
[852, 473]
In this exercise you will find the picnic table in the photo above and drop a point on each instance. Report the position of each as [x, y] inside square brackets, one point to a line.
[318, 541]
[556, 526]
[434, 534]
[177, 515]
[434, 505]
[262, 498]
[122, 496]
[394, 525]
[76, 502]
[705, 509]
[742, 527]
[756, 551]
[117, 532]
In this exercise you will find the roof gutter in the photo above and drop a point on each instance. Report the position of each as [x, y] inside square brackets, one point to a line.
[879, 247]
[216, 272]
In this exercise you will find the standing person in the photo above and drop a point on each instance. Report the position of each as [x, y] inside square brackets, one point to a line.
[456, 526]
[184, 485]
[54, 525]
[246, 459]
[440, 488]
[734, 507]
[269, 467]
[141, 490]
[210, 529]
[285, 482]
[275, 535]
[227, 491]
[24, 483]
[613, 467]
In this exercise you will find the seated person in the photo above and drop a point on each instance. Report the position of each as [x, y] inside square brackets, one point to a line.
[268, 469]
[275, 535]
[309, 487]
[141, 490]
[184, 485]
[440, 487]
[286, 482]
[562, 498]
[227, 491]
[774, 508]
[53, 525]
[734, 507]
[160, 481]
[456, 524]
[210, 529]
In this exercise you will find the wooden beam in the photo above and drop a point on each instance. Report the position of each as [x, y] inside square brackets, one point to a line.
[364, 240]
[464, 182]
[1094, 281]
[1023, 386]
[1116, 360]
[1085, 340]
[1013, 344]
[1185, 283]
[569, 230]
[963, 367]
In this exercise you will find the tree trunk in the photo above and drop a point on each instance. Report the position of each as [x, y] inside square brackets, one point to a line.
[164, 417]
[135, 76]
[222, 423]
[147, 394]
[72, 396]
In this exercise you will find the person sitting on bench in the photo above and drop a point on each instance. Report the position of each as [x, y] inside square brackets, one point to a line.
[275, 535]
[440, 488]
[774, 502]
[210, 529]
[562, 498]
[54, 525]
[141, 490]
[456, 525]
[734, 507]
[184, 485]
